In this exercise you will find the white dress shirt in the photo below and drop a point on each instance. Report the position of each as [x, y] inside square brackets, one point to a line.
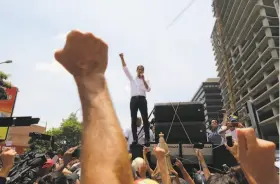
[137, 85]
[228, 132]
[141, 136]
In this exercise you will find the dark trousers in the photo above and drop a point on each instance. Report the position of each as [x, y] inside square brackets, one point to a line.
[139, 102]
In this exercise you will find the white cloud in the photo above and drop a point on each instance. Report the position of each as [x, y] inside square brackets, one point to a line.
[53, 67]
[61, 36]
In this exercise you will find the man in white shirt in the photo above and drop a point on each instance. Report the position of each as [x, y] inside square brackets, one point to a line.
[138, 86]
[229, 128]
[140, 132]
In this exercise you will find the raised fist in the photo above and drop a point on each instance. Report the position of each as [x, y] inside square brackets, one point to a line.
[83, 54]
[159, 152]
[121, 55]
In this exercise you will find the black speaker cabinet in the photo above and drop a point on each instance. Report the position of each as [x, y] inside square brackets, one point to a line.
[195, 130]
[187, 112]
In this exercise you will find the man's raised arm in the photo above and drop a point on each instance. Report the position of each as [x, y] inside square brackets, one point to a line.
[104, 154]
[125, 69]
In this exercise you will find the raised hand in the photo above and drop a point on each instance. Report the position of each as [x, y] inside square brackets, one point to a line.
[179, 164]
[240, 125]
[159, 152]
[68, 154]
[121, 55]
[199, 154]
[146, 150]
[256, 156]
[83, 55]
[7, 158]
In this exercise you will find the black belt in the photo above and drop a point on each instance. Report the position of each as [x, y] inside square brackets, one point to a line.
[138, 97]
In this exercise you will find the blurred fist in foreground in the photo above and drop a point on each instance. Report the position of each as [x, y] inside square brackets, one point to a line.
[83, 55]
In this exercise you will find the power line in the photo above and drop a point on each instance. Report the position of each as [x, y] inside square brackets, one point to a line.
[181, 13]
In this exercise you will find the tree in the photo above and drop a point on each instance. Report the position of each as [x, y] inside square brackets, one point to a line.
[3, 85]
[66, 136]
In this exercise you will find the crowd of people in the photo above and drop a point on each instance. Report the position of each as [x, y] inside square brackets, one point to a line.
[104, 157]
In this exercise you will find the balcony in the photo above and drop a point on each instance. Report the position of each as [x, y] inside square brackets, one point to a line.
[270, 120]
[249, 28]
[236, 16]
[254, 12]
[227, 10]
[223, 8]
[253, 68]
[251, 9]
[255, 80]
[253, 57]
[266, 80]
[271, 90]
[267, 107]
[231, 14]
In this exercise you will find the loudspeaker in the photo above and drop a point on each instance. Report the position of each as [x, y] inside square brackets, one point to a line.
[222, 156]
[187, 112]
[195, 130]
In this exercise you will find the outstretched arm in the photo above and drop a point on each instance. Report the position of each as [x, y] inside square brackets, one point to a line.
[125, 69]
[85, 57]
[185, 174]
[204, 166]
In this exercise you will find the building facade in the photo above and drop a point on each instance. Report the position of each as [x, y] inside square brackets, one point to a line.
[245, 41]
[18, 137]
[209, 94]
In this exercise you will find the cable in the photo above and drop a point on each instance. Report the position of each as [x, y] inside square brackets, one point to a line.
[196, 163]
[172, 122]
[181, 13]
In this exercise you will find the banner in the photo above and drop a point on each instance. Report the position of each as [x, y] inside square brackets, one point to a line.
[6, 109]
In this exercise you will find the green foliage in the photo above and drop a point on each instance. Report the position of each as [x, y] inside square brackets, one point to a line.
[3, 77]
[66, 136]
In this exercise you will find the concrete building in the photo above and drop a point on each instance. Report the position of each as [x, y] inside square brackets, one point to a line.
[18, 137]
[276, 4]
[245, 41]
[209, 94]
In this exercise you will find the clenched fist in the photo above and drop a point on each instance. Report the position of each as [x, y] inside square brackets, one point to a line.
[83, 55]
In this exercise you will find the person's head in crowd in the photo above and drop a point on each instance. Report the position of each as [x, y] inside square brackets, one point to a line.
[139, 122]
[49, 163]
[48, 167]
[181, 180]
[73, 163]
[140, 70]
[58, 178]
[214, 124]
[230, 126]
[222, 179]
[237, 173]
[198, 178]
[139, 166]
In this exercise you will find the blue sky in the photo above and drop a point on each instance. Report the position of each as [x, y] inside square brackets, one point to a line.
[176, 60]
